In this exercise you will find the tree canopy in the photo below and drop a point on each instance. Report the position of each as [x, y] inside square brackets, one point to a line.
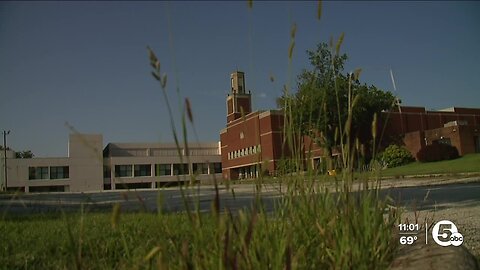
[329, 103]
[24, 154]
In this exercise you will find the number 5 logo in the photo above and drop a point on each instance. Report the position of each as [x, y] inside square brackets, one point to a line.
[444, 239]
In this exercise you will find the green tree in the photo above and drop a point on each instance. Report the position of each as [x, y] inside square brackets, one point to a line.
[24, 154]
[330, 105]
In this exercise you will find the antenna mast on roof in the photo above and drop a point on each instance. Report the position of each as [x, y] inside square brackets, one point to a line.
[397, 100]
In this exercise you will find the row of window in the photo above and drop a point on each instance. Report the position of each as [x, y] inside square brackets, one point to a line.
[162, 152]
[252, 150]
[45, 172]
[139, 170]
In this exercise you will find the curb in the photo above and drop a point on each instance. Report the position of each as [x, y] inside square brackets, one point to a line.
[414, 182]
[430, 175]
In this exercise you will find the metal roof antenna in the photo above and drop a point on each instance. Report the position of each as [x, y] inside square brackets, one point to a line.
[397, 100]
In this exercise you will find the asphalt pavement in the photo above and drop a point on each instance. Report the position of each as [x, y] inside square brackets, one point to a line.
[242, 196]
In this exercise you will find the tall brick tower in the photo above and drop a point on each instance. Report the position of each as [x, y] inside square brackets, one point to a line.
[238, 101]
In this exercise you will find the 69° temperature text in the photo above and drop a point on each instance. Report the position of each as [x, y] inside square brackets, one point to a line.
[408, 240]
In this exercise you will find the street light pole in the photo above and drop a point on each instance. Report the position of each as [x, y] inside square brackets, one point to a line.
[5, 133]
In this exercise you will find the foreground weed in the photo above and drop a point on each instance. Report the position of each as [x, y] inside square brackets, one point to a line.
[311, 227]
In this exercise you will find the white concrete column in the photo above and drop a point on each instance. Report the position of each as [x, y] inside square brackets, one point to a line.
[152, 175]
[112, 177]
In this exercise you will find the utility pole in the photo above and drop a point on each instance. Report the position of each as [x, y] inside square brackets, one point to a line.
[5, 133]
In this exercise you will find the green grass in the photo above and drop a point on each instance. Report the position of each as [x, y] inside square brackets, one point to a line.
[44, 242]
[308, 230]
[467, 164]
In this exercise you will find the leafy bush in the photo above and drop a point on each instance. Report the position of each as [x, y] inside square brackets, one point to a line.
[395, 155]
[437, 152]
[285, 166]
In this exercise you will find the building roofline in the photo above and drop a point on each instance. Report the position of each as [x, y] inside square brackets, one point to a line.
[270, 112]
[163, 145]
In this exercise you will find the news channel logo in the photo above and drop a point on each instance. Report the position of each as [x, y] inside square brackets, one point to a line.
[445, 233]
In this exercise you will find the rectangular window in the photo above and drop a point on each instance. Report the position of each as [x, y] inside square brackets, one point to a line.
[59, 172]
[49, 189]
[163, 169]
[37, 173]
[180, 169]
[133, 185]
[200, 168]
[142, 170]
[107, 173]
[123, 170]
[217, 167]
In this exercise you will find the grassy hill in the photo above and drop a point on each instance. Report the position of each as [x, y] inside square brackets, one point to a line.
[467, 164]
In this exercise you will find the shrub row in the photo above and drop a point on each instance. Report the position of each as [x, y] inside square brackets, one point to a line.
[437, 152]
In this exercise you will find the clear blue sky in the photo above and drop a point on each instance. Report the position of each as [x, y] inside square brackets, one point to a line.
[86, 63]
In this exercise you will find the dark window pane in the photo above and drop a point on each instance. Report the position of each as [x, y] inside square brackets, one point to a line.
[107, 172]
[142, 170]
[31, 173]
[59, 172]
[217, 167]
[200, 168]
[163, 169]
[36, 173]
[180, 169]
[123, 170]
